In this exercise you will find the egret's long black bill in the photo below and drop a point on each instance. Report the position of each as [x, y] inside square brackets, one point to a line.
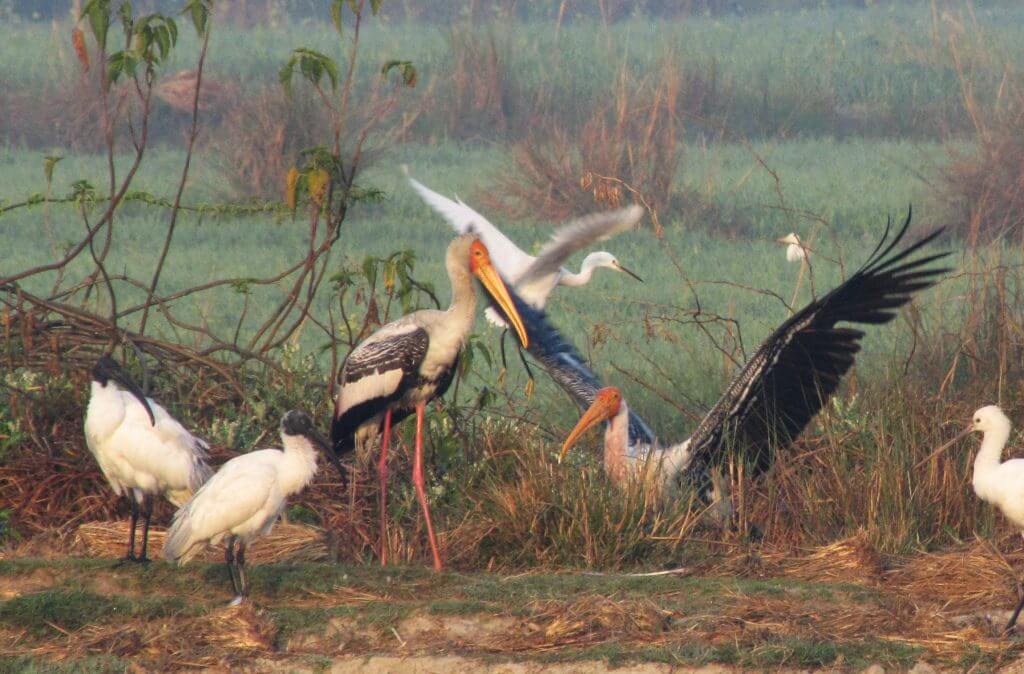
[624, 270]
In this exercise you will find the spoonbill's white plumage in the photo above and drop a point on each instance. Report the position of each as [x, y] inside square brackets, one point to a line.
[244, 498]
[796, 250]
[998, 482]
[778, 391]
[534, 278]
[140, 448]
[407, 363]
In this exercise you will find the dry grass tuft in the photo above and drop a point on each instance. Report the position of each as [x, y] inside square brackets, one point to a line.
[972, 576]
[851, 560]
[626, 152]
[285, 543]
[556, 624]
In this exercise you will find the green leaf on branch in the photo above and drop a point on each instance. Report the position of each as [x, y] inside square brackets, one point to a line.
[405, 68]
[336, 6]
[48, 163]
[313, 66]
[98, 14]
[199, 11]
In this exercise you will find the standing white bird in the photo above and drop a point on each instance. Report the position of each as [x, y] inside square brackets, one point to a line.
[779, 390]
[995, 482]
[796, 249]
[533, 278]
[243, 500]
[140, 448]
[409, 362]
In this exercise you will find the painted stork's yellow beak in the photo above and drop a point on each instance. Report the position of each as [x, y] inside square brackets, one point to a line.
[605, 406]
[480, 265]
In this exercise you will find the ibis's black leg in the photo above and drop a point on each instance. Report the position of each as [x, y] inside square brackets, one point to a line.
[243, 583]
[1013, 618]
[229, 558]
[147, 514]
[130, 557]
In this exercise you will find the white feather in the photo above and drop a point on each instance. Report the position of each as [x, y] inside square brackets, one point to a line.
[161, 459]
[243, 499]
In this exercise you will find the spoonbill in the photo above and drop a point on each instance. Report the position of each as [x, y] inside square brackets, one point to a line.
[786, 381]
[140, 448]
[409, 362]
[533, 278]
[243, 500]
[995, 482]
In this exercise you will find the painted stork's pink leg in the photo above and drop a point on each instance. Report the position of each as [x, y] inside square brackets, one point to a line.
[417, 480]
[382, 475]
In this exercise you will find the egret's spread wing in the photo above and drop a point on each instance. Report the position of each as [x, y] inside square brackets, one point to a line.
[577, 235]
[374, 375]
[510, 260]
[566, 366]
[799, 366]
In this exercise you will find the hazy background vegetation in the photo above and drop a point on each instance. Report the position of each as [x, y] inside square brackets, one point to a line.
[736, 122]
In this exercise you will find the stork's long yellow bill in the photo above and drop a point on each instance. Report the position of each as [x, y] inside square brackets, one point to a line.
[491, 281]
[605, 406]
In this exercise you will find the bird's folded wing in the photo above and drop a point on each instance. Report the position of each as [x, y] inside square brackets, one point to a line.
[376, 367]
[800, 365]
[576, 235]
[236, 492]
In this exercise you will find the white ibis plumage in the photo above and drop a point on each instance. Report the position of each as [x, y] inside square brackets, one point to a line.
[245, 497]
[783, 385]
[407, 363]
[140, 448]
[533, 278]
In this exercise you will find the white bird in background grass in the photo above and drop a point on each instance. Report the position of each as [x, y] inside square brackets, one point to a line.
[534, 278]
[995, 482]
[140, 448]
[243, 500]
[796, 250]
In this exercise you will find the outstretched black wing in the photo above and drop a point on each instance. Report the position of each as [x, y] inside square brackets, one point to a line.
[795, 371]
[566, 366]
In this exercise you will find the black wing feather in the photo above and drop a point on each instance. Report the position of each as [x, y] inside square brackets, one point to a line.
[800, 365]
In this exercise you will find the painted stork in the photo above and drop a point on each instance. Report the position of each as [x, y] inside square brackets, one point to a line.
[776, 393]
[1000, 483]
[533, 278]
[409, 362]
[243, 500]
[140, 448]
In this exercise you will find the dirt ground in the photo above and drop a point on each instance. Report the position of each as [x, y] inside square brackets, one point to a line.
[838, 608]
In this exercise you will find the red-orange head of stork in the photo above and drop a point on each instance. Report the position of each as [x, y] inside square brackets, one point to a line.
[606, 405]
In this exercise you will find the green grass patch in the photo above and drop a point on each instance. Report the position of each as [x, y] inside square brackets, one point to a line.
[41, 613]
[95, 664]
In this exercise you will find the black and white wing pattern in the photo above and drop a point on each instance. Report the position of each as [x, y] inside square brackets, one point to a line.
[567, 366]
[376, 374]
[799, 366]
